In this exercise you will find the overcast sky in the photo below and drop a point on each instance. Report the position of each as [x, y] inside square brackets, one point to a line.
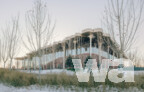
[72, 16]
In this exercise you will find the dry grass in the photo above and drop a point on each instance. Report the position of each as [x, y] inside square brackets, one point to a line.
[17, 79]
[63, 79]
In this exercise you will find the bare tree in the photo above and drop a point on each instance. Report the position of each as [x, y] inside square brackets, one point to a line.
[133, 56]
[39, 29]
[122, 20]
[13, 39]
[136, 57]
[10, 39]
[4, 46]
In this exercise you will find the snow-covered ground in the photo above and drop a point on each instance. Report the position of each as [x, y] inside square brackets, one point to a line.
[53, 71]
[139, 72]
[34, 88]
[58, 71]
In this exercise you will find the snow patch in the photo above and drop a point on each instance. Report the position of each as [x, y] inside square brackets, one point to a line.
[35, 88]
[53, 71]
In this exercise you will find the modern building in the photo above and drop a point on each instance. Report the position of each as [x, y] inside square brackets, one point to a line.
[91, 42]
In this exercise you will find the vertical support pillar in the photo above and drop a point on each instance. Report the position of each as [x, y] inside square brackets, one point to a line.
[90, 37]
[74, 47]
[35, 63]
[24, 63]
[54, 57]
[46, 61]
[46, 58]
[43, 61]
[64, 55]
[100, 46]
[29, 63]
[69, 51]
[17, 64]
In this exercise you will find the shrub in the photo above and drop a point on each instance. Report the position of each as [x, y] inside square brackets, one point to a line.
[16, 78]
[69, 63]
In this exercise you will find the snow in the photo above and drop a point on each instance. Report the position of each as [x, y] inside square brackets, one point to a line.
[35, 88]
[58, 71]
[139, 72]
[53, 71]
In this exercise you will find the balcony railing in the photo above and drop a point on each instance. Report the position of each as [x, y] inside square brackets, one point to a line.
[50, 57]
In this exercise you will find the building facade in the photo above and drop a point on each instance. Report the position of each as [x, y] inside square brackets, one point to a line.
[91, 42]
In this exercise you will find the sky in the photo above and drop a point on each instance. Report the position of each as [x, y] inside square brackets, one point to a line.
[72, 16]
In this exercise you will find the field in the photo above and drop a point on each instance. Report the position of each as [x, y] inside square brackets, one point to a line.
[59, 80]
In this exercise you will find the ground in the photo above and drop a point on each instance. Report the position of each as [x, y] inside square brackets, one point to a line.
[36, 88]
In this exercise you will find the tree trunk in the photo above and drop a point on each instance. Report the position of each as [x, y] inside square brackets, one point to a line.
[10, 64]
[39, 55]
[30, 65]
[17, 65]
[4, 65]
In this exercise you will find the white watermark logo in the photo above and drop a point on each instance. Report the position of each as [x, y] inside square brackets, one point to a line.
[112, 68]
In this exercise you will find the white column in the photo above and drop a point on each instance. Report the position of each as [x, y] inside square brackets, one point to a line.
[28, 67]
[54, 58]
[34, 63]
[46, 61]
[90, 37]
[24, 63]
[64, 54]
[17, 63]
[100, 45]
[69, 51]
[30, 63]
[74, 47]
